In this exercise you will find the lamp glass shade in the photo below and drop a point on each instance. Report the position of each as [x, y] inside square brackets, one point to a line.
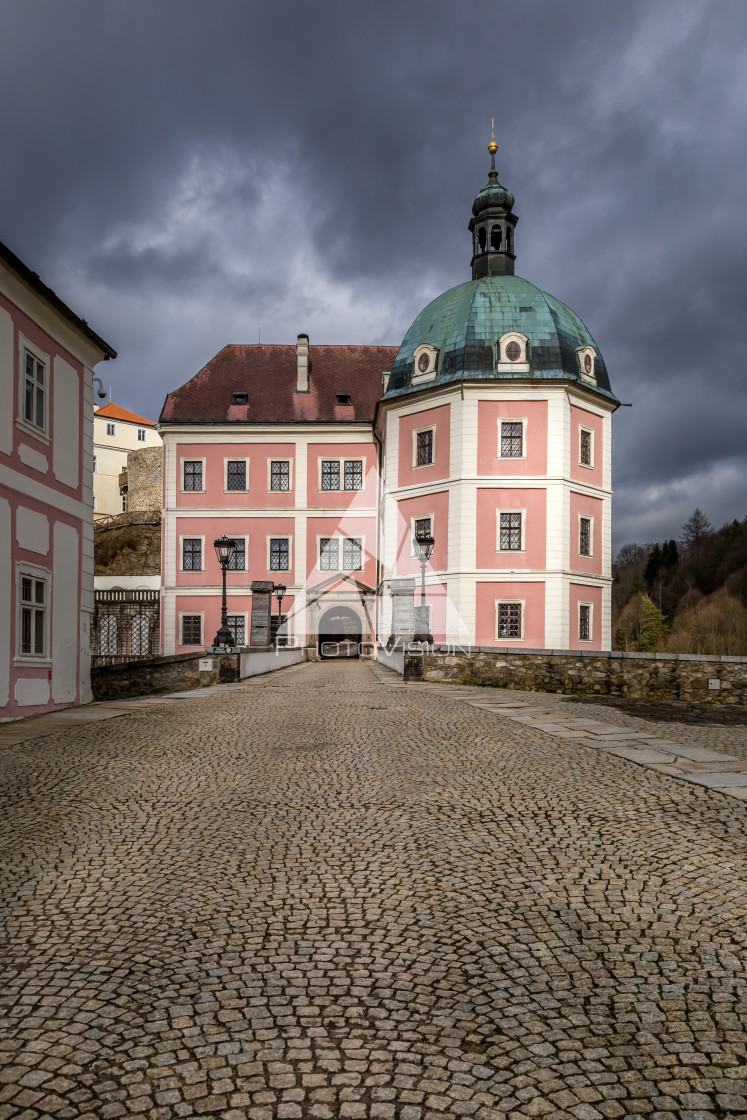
[424, 547]
[279, 590]
[224, 548]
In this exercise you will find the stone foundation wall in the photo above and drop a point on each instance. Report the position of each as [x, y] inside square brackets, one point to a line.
[145, 479]
[652, 676]
[162, 674]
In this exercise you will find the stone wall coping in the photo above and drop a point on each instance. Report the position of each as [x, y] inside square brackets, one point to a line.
[608, 655]
[167, 659]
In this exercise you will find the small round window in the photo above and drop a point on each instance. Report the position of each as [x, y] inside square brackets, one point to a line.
[513, 351]
[423, 362]
[587, 363]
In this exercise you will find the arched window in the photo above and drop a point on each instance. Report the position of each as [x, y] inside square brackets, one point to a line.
[495, 239]
[508, 240]
[108, 636]
[140, 635]
[481, 238]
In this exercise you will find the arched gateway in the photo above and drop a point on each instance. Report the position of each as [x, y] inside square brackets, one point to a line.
[340, 633]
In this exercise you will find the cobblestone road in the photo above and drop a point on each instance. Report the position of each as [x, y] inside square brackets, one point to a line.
[319, 896]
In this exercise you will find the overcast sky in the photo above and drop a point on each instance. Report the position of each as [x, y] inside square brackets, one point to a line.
[188, 173]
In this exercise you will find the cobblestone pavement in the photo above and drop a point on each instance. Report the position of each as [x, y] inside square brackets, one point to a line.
[319, 895]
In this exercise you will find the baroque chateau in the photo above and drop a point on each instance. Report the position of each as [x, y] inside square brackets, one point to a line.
[488, 430]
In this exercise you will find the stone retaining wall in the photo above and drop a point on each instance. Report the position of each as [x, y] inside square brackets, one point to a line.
[653, 676]
[161, 674]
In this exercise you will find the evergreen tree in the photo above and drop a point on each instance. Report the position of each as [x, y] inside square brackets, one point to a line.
[653, 626]
[695, 532]
[670, 555]
[653, 564]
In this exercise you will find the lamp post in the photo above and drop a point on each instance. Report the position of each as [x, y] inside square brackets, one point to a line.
[279, 590]
[224, 550]
[423, 550]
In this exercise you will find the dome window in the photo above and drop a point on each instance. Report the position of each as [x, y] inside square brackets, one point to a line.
[587, 364]
[513, 353]
[424, 365]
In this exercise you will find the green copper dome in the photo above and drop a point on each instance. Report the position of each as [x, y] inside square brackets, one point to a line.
[492, 194]
[465, 324]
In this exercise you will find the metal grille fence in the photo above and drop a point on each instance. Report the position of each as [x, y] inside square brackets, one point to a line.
[125, 626]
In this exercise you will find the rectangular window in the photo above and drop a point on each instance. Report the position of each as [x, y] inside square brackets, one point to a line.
[329, 554]
[510, 535]
[279, 554]
[124, 503]
[424, 448]
[193, 474]
[33, 636]
[352, 554]
[141, 435]
[237, 626]
[584, 536]
[236, 474]
[191, 630]
[110, 429]
[354, 474]
[280, 474]
[192, 554]
[585, 447]
[237, 563]
[422, 527]
[330, 474]
[510, 621]
[512, 439]
[584, 622]
[35, 387]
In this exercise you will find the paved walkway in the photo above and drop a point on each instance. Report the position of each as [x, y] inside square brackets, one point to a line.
[322, 894]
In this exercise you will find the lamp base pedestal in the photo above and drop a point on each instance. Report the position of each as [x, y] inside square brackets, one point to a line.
[224, 637]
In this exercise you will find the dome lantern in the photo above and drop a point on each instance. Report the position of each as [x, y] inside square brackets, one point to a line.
[492, 226]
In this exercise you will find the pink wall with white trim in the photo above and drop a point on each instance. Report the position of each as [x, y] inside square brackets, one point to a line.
[440, 418]
[579, 593]
[533, 595]
[435, 505]
[341, 499]
[362, 528]
[580, 418]
[257, 529]
[584, 506]
[489, 415]
[214, 495]
[534, 551]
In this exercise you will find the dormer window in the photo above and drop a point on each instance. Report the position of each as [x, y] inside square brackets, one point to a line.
[587, 364]
[424, 364]
[343, 398]
[513, 353]
[240, 398]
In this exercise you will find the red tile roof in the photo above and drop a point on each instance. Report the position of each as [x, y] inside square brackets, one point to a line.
[116, 412]
[268, 375]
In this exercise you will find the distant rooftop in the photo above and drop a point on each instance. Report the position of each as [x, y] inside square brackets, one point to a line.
[116, 412]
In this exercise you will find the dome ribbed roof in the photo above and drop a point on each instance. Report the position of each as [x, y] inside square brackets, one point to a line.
[465, 323]
[492, 194]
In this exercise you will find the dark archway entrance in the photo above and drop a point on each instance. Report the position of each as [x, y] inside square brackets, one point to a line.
[339, 633]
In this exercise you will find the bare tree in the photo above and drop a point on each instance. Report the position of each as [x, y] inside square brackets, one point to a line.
[630, 554]
[696, 530]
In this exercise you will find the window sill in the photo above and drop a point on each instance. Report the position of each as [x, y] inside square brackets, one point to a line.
[246, 491]
[193, 491]
[26, 662]
[31, 430]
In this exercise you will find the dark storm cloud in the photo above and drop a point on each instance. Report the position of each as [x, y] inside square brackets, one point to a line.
[188, 174]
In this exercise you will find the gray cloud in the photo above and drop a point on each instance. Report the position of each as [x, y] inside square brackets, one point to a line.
[187, 174]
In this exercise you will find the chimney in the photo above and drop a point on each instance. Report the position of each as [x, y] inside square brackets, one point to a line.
[302, 364]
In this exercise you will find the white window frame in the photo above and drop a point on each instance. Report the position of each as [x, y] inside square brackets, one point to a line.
[341, 463]
[509, 602]
[25, 344]
[111, 428]
[192, 459]
[591, 621]
[511, 551]
[234, 459]
[328, 537]
[34, 571]
[504, 364]
[416, 432]
[123, 496]
[245, 616]
[241, 537]
[512, 420]
[280, 536]
[589, 378]
[586, 555]
[590, 465]
[428, 374]
[349, 537]
[141, 436]
[180, 634]
[419, 517]
[280, 459]
[191, 537]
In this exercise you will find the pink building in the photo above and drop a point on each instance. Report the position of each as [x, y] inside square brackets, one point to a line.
[489, 428]
[47, 355]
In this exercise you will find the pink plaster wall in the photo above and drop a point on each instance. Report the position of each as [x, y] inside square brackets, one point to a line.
[533, 595]
[579, 593]
[341, 499]
[363, 528]
[534, 503]
[426, 505]
[489, 415]
[209, 607]
[582, 505]
[258, 496]
[258, 529]
[580, 418]
[408, 475]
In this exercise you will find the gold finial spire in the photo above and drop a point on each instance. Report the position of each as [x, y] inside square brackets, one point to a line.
[492, 146]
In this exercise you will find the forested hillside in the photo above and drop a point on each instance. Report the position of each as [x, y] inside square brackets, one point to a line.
[685, 596]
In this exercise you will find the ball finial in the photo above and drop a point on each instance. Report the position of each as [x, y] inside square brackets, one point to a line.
[492, 147]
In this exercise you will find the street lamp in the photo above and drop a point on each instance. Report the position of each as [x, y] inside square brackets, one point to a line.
[224, 550]
[423, 550]
[279, 590]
